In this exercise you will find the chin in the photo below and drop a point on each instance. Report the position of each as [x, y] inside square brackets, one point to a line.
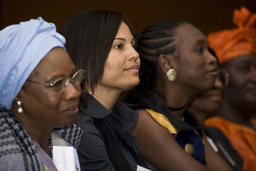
[208, 87]
[130, 86]
[69, 121]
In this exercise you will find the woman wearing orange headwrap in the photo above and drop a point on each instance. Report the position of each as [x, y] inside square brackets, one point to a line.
[236, 49]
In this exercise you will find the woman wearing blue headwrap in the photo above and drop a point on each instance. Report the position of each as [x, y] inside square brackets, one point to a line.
[39, 91]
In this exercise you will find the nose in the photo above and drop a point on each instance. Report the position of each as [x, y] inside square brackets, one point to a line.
[134, 55]
[218, 83]
[212, 59]
[72, 91]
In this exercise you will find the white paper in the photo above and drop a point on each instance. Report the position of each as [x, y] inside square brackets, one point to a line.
[139, 168]
[63, 158]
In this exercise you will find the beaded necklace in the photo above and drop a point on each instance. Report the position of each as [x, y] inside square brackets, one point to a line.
[51, 147]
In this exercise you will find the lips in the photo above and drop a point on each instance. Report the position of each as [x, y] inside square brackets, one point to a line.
[213, 94]
[132, 68]
[214, 70]
[72, 110]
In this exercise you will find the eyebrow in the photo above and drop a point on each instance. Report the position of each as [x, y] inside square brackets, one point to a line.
[201, 41]
[123, 39]
[61, 76]
[244, 61]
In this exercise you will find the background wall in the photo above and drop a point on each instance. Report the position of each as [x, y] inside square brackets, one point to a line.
[207, 15]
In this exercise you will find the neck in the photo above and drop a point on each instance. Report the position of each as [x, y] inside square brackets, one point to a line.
[38, 131]
[41, 136]
[234, 115]
[176, 103]
[177, 108]
[42, 140]
[177, 96]
[199, 114]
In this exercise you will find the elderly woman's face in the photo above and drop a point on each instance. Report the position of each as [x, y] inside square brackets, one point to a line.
[43, 106]
[241, 89]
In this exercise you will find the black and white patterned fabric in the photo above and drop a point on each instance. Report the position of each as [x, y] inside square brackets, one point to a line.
[18, 151]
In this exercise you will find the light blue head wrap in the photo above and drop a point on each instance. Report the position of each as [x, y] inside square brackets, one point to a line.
[22, 47]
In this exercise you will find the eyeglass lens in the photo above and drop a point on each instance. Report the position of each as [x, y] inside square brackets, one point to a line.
[223, 77]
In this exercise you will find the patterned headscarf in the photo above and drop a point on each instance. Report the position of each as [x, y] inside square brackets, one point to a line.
[22, 47]
[238, 41]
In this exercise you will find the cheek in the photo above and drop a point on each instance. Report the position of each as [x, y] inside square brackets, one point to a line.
[236, 82]
[45, 103]
[194, 67]
[113, 68]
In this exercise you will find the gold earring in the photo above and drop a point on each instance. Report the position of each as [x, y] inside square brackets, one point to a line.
[19, 110]
[171, 75]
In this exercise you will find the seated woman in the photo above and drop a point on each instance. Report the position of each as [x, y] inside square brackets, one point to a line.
[207, 105]
[39, 91]
[236, 49]
[175, 66]
[101, 42]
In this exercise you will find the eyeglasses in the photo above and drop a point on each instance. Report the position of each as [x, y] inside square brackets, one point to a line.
[58, 84]
[223, 76]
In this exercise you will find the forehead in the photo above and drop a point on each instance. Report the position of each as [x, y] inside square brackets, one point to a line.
[243, 59]
[124, 31]
[187, 33]
[55, 62]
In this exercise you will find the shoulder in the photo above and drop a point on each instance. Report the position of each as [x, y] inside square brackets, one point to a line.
[87, 124]
[214, 120]
[221, 123]
[9, 126]
[159, 118]
[157, 145]
[146, 125]
[125, 112]
[229, 128]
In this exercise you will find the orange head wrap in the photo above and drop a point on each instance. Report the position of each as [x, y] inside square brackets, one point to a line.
[238, 41]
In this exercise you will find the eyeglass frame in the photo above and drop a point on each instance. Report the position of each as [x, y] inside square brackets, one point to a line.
[70, 79]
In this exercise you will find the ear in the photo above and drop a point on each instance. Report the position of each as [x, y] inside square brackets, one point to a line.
[18, 97]
[165, 62]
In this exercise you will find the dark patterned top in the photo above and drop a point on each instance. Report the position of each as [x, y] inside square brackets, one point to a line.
[92, 152]
[189, 139]
[18, 151]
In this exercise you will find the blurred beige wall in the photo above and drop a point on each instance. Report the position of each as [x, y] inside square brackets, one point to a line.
[207, 15]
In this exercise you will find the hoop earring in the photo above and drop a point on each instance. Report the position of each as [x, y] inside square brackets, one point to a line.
[19, 110]
[171, 75]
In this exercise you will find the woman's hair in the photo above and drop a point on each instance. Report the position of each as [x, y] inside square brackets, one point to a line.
[89, 35]
[157, 39]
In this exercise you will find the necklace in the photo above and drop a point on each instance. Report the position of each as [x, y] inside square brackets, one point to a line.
[50, 147]
[176, 109]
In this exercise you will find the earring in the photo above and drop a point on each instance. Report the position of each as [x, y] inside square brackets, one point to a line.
[171, 75]
[20, 110]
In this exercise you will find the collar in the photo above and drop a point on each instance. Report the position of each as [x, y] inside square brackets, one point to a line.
[96, 110]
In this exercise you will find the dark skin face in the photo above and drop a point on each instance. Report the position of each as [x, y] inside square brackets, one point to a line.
[196, 72]
[196, 66]
[44, 108]
[241, 90]
[208, 103]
